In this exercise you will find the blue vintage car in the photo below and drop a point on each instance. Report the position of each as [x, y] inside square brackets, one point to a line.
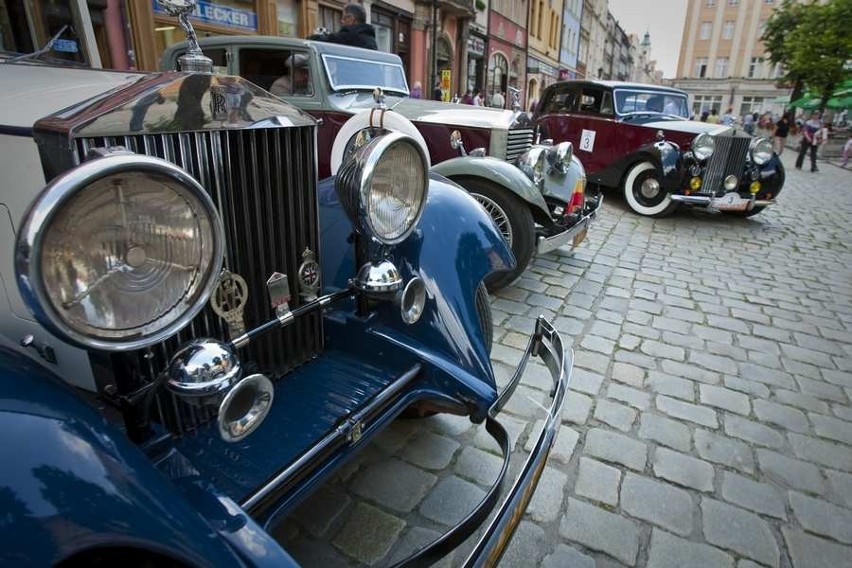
[195, 333]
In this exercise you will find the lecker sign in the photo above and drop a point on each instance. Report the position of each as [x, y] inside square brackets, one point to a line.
[219, 15]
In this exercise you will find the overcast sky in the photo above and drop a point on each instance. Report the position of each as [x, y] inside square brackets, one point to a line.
[663, 18]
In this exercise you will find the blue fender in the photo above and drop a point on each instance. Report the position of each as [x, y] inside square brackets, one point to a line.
[454, 247]
[72, 483]
[496, 172]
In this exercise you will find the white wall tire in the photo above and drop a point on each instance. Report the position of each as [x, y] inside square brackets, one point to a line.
[644, 193]
[373, 118]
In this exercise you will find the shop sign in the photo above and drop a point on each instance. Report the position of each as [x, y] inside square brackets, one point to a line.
[446, 84]
[66, 46]
[219, 15]
[537, 66]
[476, 46]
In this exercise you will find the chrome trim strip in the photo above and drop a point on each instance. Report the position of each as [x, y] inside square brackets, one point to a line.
[545, 343]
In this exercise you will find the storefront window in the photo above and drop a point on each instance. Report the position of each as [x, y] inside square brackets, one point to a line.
[287, 18]
[329, 18]
[383, 24]
[498, 69]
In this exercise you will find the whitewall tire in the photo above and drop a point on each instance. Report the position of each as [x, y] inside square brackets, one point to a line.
[644, 193]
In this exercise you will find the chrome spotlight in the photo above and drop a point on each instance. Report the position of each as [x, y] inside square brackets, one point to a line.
[379, 279]
[206, 372]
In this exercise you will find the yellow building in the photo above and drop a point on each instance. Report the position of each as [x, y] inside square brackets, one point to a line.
[544, 36]
[722, 61]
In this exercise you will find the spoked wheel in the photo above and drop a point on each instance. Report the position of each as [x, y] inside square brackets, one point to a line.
[513, 219]
[644, 193]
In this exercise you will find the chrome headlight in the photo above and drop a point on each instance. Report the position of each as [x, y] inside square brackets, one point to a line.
[761, 151]
[533, 163]
[383, 187]
[120, 252]
[559, 156]
[703, 146]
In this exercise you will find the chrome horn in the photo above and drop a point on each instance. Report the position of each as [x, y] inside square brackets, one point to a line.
[207, 372]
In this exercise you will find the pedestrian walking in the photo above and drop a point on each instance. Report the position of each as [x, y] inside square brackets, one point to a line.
[477, 98]
[417, 90]
[809, 141]
[847, 149]
[498, 100]
[467, 98]
[748, 124]
[780, 133]
[727, 118]
[437, 93]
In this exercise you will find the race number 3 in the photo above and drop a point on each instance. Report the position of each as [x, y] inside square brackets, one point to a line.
[587, 141]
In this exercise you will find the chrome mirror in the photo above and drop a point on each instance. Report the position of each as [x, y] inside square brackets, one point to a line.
[194, 59]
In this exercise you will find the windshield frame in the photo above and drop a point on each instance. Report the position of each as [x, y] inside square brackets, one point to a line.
[621, 112]
[327, 58]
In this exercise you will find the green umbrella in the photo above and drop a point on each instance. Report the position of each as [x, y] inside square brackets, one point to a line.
[808, 101]
[839, 102]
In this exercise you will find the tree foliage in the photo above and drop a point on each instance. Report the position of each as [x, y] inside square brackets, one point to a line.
[812, 42]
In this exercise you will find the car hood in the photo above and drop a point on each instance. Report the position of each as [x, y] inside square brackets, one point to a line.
[435, 112]
[33, 91]
[687, 126]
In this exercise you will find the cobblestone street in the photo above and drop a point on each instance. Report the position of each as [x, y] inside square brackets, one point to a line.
[709, 417]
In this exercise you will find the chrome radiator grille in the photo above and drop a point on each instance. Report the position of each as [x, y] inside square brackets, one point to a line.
[519, 141]
[263, 182]
[728, 158]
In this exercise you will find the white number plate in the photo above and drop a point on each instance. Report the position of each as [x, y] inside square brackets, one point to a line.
[730, 202]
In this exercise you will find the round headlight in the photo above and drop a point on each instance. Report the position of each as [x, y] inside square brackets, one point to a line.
[559, 156]
[533, 163]
[120, 252]
[383, 188]
[761, 151]
[703, 146]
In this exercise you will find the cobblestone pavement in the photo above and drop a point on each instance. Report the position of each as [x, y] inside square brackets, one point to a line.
[708, 423]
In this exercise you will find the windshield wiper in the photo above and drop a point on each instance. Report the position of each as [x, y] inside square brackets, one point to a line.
[47, 48]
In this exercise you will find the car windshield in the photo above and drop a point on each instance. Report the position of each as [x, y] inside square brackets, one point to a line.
[629, 101]
[346, 73]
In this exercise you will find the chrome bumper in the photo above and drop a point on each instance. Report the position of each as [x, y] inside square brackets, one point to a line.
[547, 244]
[546, 344]
[705, 201]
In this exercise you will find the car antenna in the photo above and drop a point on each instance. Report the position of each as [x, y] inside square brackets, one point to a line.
[47, 48]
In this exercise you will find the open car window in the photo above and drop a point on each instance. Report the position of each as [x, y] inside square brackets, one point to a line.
[560, 102]
[346, 73]
[591, 101]
[634, 101]
[282, 72]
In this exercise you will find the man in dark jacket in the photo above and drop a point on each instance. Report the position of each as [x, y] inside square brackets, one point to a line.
[355, 30]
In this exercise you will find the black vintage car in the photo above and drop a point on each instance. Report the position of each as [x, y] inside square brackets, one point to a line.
[638, 138]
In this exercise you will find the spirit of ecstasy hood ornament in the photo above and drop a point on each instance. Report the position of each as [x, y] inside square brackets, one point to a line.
[193, 59]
